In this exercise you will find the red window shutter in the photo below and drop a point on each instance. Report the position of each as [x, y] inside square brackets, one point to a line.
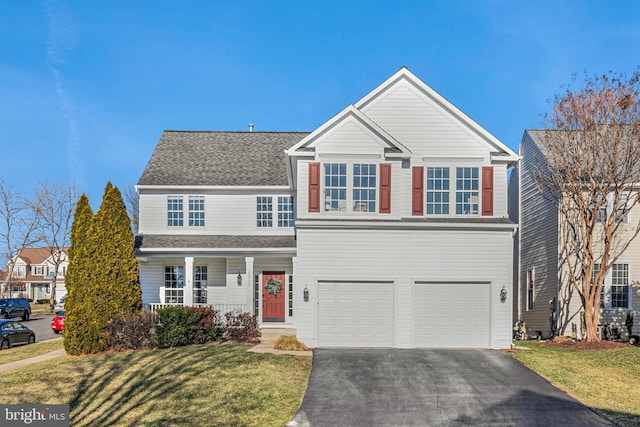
[487, 191]
[314, 187]
[385, 188]
[417, 192]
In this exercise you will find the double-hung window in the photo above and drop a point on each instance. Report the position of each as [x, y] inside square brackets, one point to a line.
[38, 270]
[616, 288]
[350, 187]
[446, 198]
[265, 212]
[335, 187]
[285, 211]
[175, 212]
[364, 187]
[605, 205]
[620, 286]
[196, 211]
[437, 191]
[467, 188]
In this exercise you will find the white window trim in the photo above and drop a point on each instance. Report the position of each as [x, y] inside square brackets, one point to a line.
[608, 284]
[452, 164]
[349, 201]
[275, 211]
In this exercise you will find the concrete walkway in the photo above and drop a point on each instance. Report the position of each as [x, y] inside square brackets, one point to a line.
[35, 359]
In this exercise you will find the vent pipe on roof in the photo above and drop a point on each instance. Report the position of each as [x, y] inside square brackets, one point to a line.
[250, 127]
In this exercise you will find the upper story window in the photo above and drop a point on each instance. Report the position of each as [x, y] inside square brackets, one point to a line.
[605, 206]
[196, 211]
[285, 211]
[18, 271]
[467, 187]
[175, 214]
[335, 187]
[440, 194]
[437, 191]
[175, 211]
[363, 188]
[38, 270]
[265, 212]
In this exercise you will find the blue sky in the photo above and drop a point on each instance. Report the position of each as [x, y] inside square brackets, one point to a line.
[86, 88]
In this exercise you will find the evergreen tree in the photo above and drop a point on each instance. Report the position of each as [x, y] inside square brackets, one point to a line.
[77, 276]
[106, 282]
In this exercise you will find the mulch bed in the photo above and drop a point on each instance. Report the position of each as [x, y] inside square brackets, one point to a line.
[584, 345]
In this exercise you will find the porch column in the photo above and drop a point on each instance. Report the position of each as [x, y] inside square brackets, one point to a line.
[188, 281]
[248, 262]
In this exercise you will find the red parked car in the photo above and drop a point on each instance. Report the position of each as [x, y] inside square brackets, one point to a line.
[57, 323]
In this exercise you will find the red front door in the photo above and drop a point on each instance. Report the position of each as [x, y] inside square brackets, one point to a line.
[273, 291]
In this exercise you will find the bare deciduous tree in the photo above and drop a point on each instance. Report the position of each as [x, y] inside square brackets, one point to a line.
[132, 202]
[590, 169]
[55, 204]
[17, 228]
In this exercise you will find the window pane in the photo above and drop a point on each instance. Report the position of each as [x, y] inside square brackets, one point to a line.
[264, 211]
[335, 193]
[285, 211]
[196, 211]
[364, 188]
[467, 185]
[174, 211]
[437, 191]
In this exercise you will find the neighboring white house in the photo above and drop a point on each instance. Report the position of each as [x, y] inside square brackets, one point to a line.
[539, 282]
[32, 275]
[385, 227]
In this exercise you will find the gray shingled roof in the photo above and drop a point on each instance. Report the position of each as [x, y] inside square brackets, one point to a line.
[220, 158]
[157, 241]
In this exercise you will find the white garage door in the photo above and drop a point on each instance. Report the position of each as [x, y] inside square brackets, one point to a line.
[355, 314]
[452, 315]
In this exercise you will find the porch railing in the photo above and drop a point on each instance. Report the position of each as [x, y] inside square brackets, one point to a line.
[220, 308]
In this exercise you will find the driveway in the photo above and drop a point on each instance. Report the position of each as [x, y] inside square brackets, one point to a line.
[363, 387]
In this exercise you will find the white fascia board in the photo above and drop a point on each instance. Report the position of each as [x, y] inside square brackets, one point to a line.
[404, 73]
[188, 188]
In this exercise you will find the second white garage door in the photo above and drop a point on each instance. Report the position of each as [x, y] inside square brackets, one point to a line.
[452, 315]
[355, 314]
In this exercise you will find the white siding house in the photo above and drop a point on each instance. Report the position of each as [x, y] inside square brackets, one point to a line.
[540, 281]
[401, 238]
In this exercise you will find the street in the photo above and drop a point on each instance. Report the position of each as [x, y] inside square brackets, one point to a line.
[41, 324]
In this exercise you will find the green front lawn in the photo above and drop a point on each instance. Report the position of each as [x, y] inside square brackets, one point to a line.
[26, 351]
[195, 385]
[606, 380]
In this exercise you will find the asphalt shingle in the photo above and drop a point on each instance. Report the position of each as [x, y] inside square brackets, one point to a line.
[220, 158]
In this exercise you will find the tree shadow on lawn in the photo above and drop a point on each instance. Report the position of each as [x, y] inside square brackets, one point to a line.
[127, 388]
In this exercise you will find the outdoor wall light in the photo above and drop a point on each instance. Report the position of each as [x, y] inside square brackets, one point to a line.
[305, 293]
[239, 279]
[503, 294]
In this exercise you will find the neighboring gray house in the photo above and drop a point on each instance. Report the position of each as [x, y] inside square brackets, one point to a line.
[385, 227]
[539, 268]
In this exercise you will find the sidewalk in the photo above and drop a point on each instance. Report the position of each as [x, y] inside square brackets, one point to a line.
[29, 361]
